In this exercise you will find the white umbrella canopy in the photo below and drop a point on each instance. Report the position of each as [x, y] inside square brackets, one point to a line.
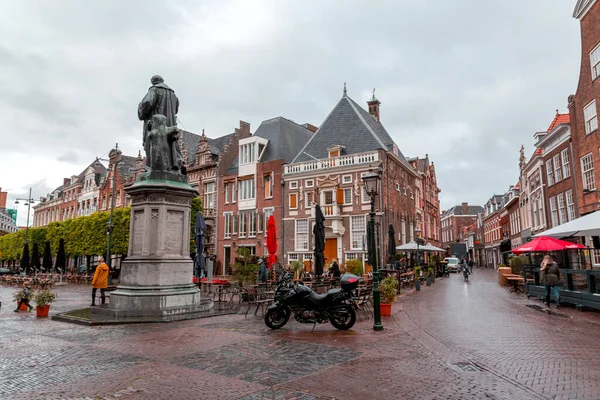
[588, 225]
[430, 247]
[412, 245]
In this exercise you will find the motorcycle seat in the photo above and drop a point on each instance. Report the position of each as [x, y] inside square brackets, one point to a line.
[333, 292]
[318, 298]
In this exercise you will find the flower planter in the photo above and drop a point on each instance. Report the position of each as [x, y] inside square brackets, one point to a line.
[42, 311]
[417, 285]
[385, 309]
[428, 282]
[23, 307]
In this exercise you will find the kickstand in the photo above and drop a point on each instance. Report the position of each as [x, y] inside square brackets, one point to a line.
[315, 324]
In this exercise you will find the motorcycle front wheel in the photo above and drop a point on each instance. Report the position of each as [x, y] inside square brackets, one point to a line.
[277, 318]
[343, 318]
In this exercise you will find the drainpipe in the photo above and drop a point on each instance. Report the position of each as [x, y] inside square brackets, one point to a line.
[572, 170]
[282, 215]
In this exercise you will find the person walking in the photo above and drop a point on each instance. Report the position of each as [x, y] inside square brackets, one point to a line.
[549, 277]
[100, 281]
[262, 271]
[470, 266]
[25, 295]
[334, 269]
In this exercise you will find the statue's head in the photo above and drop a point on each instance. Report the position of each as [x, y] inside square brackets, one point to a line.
[158, 120]
[156, 79]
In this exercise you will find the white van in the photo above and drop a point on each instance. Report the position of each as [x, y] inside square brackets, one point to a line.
[452, 264]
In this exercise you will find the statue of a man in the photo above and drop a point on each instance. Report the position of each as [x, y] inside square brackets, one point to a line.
[161, 99]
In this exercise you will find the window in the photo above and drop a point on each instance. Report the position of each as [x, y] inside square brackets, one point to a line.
[328, 197]
[347, 196]
[347, 178]
[365, 197]
[334, 153]
[293, 201]
[293, 257]
[358, 229]
[309, 183]
[403, 232]
[227, 192]
[557, 168]
[562, 209]
[228, 225]
[251, 223]
[595, 62]
[310, 198]
[301, 234]
[268, 180]
[566, 168]
[235, 224]
[411, 231]
[294, 185]
[242, 216]
[397, 186]
[268, 212]
[587, 172]
[553, 211]
[247, 189]
[209, 195]
[550, 172]
[259, 222]
[590, 117]
[233, 192]
[404, 190]
[412, 195]
[570, 204]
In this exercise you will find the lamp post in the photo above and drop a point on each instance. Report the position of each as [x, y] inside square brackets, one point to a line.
[29, 201]
[371, 181]
[418, 241]
[110, 226]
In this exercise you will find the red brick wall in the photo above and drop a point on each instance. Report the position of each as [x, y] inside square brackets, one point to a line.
[586, 92]
[564, 184]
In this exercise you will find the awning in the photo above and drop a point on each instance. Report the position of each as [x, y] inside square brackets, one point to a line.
[588, 225]
[412, 245]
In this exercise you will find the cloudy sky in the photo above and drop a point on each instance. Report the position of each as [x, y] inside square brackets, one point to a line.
[465, 81]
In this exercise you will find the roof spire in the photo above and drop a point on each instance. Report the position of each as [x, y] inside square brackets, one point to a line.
[345, 89]
[203, 132]
[373, 98]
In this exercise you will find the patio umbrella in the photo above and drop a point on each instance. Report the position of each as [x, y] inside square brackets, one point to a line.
[61, 259]
[35, 257]
[25, 259]
[412, 245]
[319, 232]
[199, 235]
[271, 241]
[392, 244]
[430, 247]
[546, 243]
[47, 259]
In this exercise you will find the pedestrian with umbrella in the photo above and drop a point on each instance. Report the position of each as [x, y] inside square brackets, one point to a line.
[199, 236]
[392, 247]
[47, 259]
[319, 232]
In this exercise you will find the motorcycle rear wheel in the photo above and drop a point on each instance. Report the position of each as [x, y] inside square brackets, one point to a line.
[276, 319]
[344, 318]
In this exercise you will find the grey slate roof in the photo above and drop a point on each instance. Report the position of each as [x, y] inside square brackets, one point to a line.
[457, 210]
[351, 126]
[191, 140]
[126, 167]
[285, 137]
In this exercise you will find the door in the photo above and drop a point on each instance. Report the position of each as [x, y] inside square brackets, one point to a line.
[330, 250]
[227, 261]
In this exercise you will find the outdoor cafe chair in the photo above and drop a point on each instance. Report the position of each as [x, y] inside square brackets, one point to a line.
[256, 298]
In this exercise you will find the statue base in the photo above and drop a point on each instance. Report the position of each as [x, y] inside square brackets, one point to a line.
[156, 276]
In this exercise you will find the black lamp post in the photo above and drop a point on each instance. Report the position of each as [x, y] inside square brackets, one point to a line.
[418, 240]
[28, 202]
[371, 181]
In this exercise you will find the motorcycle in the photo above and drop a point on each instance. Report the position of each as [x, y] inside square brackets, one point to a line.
[337, 306]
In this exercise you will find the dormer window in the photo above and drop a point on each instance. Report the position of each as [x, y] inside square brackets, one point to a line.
[248, 153]
[335, 151]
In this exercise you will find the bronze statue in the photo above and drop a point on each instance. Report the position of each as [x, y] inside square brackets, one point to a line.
[161, 99]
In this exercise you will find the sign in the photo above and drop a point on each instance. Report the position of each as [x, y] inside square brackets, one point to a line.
[12, 213]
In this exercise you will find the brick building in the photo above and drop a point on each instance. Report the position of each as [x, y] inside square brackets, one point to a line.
[513, 211]
[583, 108]
[454, 220]
[7, 224]
[252, 190]
[492, 230]
[329, 169]
[427, 202]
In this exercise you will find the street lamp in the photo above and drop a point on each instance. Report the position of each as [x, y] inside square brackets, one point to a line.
[110, 226]
[371, 181]
[418, 241]
[28, 202]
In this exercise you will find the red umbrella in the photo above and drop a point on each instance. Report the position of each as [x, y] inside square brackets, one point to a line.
[546, 243]
[271, 241]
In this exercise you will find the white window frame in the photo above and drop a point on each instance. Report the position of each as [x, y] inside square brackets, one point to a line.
[309, 183]
[595, 62]
[347, 196]
[324, 195]
[227, 217]
[243, 226]
[290, 201]
[267, 212]
[550, 172]
[404, 190]
[562, 208]
[346, 178]
[303, 232]
[210, 197]
[251, 217]
[587, 172]
[557, 168]
[570, 204]
[364, 196]
[411, 230]
[566, 168]
[294, 185]
[269, 183]
[247, 189]
[293, 257]
[358, 231]
[233, 192]
[309, 198]
[227, 190]
[403, 232]
[590, 117]
[553, 211]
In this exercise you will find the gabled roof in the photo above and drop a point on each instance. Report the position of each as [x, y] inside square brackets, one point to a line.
[351, 126]
[191, 140]
[285, 137]
[126, 167]
[559, 119]
[457, 210]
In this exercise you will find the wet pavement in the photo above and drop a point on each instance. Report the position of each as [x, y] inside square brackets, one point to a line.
[453, 340]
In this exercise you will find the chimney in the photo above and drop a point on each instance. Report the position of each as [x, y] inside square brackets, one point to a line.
[465, 208]
[310, 127]
[374, 106]
[3, 196]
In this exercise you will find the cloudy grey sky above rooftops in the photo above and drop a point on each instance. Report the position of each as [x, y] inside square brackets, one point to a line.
[465, 81]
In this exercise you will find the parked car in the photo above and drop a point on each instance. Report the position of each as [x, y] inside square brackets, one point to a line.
[452, 264]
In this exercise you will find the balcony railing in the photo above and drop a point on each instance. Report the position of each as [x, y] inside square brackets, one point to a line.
[328, 163]
[331, 210]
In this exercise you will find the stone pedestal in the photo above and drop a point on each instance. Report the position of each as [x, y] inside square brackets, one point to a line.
[156, 276]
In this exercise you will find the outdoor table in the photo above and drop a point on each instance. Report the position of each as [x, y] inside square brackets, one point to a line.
[515, 282]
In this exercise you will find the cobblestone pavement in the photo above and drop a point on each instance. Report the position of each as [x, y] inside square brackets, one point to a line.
[453, 340]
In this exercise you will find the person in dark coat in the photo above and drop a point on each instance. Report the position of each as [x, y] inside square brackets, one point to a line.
[550, 277]
[334, 269]
[262, 271]
[25, 296]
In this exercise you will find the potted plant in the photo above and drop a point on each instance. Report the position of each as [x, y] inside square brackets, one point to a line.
[43, 299]
[354, 266]
[298, 268]
[429, 276]
[388, 289]
[417, 271]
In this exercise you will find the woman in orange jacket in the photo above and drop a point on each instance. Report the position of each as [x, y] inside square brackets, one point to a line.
[100, 281]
